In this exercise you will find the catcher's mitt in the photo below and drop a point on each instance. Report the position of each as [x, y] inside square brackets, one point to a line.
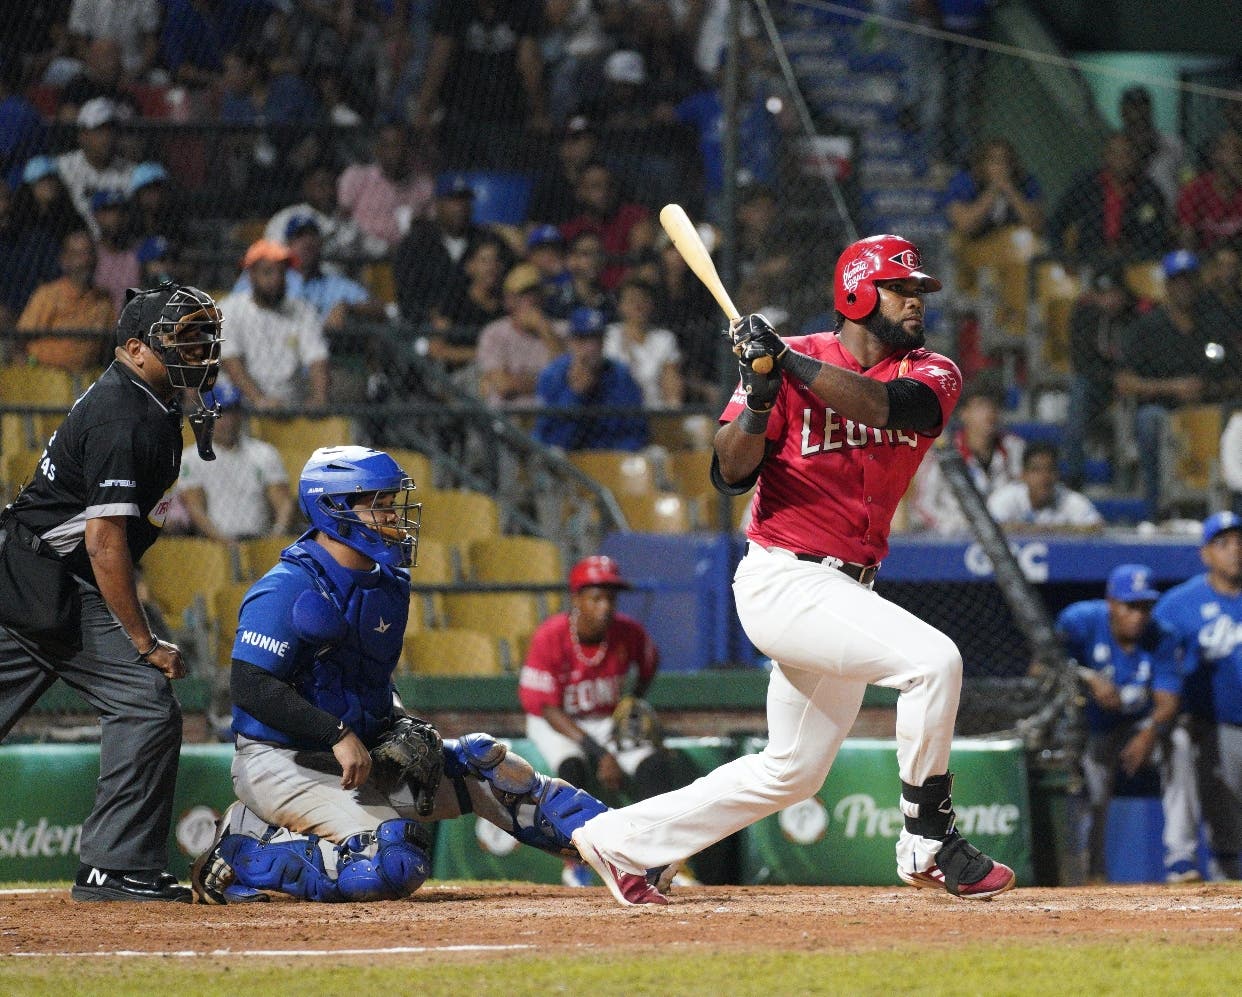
[409, 751]
[635, 725]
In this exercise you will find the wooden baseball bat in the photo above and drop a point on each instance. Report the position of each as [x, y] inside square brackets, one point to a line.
[686, 238]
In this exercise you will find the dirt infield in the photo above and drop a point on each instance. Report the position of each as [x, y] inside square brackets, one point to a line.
[508, 918]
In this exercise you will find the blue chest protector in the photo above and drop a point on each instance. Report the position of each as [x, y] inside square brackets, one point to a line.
[334, 634]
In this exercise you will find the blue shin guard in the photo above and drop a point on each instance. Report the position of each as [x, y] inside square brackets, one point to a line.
[398, 867]
[294, 867]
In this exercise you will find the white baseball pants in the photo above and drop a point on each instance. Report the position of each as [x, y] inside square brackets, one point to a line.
[829, 637]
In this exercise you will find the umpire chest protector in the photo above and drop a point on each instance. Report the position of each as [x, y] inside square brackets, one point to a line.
[351, 636]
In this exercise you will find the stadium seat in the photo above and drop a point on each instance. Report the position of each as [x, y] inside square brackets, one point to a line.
[379, 281]
[180, 570]
[660, 512]
[23, 384]
[457, 516]
[1056, 290]
[227, 607]
[19, 468]
[688, 471]
[516, 560]
[1146, 280]
[417, 465]
[1195, 432]
[434, 566]
[498, 197]
[506, 616]
[620, 471]
[258, 555]
[451, 651]
[297, 438]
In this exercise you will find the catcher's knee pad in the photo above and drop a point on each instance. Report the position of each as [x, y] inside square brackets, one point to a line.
[294, 867]
[560, 809]
[510, 775]
[398, 867]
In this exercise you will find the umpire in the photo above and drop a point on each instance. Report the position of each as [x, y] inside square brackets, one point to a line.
[68, 604]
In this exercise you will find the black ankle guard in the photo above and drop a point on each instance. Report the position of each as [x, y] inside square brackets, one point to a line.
[928, 808]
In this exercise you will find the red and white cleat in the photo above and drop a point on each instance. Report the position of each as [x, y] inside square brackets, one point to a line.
[628, 889]
[963, 871]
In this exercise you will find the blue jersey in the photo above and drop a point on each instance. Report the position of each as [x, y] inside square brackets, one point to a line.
[351, 679]
[1209, 628]
[1151, 667]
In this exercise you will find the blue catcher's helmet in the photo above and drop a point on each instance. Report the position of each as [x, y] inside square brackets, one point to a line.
[332, 482]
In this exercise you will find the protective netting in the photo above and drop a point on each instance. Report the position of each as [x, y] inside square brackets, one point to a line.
[455, 194]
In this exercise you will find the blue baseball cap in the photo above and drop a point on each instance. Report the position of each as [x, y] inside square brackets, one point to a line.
[544, 235]
[1218, 522]
[1179, 262]
[299, 224]
[38, 167]
[146, 174]
[1131, 583]
[107, 199]
[453, 185]
[585, 321]
[154, 247]
[225, 394]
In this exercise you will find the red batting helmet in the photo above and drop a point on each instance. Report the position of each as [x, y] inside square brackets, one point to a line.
[596, 570]
[881, 257]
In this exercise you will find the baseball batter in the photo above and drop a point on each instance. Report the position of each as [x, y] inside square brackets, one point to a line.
[1206, 615]
[314, 707]
[833, 433]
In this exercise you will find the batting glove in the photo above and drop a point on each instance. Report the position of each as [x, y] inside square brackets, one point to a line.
[754, 337]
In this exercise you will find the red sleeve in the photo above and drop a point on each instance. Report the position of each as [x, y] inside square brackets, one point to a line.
[539, 685]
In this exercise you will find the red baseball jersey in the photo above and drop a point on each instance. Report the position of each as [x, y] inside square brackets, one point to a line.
[832, 485]
[586, 681]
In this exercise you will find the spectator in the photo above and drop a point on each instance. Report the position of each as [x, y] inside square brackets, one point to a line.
[573, 44]
[117, 267]
[992, 455]
[1163, 365]
[274, 341]
[1129, 666]
[242, 494]
[153, 210]
[1161, 153]
[102, 77]
[159, 259]
[574, 679]
[687, 307]
[1097, 325]
[27, 259]
[96, 164]
[132, 24]
[428, 262]
[514, 349]
[197, 33]
[1112, 213]
[552, 198]
[651, 354]
[384, 197]
[625, 101]
[585, 262]
[1231, 459]
[950, 74]
[22, 132]
[462, 312]
[1205, 613]
[1039, 501]
[71, 302]
[341, 236]
[545, 251]
[1222, 308]
[994, 192]
[486, 71]
[625, 229]
[584, 379]
[1209, 208]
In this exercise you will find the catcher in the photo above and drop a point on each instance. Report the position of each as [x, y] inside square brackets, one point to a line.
[334, 779]
[572, 688]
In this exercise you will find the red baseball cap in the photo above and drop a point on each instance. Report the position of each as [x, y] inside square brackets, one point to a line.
[596, 570]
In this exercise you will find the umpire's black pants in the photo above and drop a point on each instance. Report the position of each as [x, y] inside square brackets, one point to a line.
[140, 744]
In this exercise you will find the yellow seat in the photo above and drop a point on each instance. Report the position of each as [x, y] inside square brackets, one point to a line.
[259, 555]
[662, 512]
[433, 566]
[1008, 252]
[297, 438]
[379, 281]
[519, 559]
[506, 616]
[416, 465]
[457, 516]
[1056, 290]
[23, 384]
[247, 231]
[180, 569]
[1146, 279]
[621, 472]
[228, 601]
[19, 468]
[1196, 432]
[451, 651]
[689, 473]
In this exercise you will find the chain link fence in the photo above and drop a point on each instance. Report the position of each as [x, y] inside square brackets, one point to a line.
[461, 196]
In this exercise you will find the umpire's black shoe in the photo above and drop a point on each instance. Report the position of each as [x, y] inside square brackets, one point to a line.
[93, 883]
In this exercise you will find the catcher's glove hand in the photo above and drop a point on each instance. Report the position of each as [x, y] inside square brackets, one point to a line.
[411, 751]
[635, 725]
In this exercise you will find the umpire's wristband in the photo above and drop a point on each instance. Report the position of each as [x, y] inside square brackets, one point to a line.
[801, 367]
[755, 423]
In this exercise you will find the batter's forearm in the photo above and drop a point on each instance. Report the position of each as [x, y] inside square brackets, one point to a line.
[738, 452]
[850, 395]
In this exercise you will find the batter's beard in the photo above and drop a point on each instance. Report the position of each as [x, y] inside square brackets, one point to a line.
[894, 334]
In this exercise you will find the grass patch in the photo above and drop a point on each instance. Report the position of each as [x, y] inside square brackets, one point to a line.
[992, 969]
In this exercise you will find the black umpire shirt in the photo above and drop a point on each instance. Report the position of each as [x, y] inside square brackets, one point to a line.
[118, 453]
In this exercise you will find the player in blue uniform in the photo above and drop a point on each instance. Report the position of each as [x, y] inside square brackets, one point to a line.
[1206, 615]
[1129, 665]
[317, 642]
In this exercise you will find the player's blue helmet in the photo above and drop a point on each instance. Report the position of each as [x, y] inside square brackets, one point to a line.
[332, 482]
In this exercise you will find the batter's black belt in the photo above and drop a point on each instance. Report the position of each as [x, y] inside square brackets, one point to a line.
[864, 574]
